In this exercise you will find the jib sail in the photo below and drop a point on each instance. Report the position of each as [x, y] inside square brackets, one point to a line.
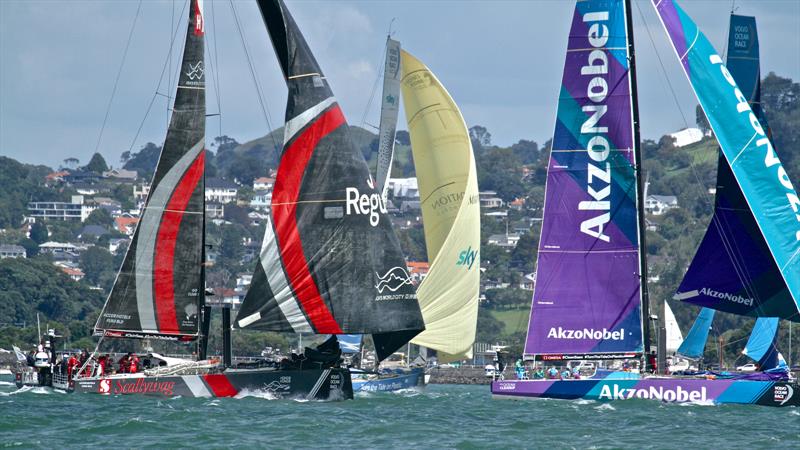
[743, 266]
[448, 185]
[390, 107]
[330, 262]
[158, 290]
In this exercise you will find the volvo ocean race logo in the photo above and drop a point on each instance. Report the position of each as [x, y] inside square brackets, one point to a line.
[467, 257]
[598, 177]
[363, 204]
[392, 280]
[782, 394]
[586, 333]
[679, 394]
[727, 296]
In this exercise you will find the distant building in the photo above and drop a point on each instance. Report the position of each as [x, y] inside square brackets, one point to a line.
[418, 270]
[73, 272]
[220, 191]
[507, 241]
[403, 187]
[517, 204]
[489, 200]
[261, 200]
[263, 184]
[243, 280]
[92, 231]
[74, 210]
[12, 251]
[215, 210]
[115, 244]
[126, 225]
[121, 174]
[140, 192]
[81, 176]
[226, 296]
[53, 247]
[407, 206]
[660, 204]
[687, 136]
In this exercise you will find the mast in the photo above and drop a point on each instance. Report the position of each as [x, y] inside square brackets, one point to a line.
[637, 157]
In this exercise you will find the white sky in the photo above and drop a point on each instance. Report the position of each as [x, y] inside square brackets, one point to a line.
[501, 61]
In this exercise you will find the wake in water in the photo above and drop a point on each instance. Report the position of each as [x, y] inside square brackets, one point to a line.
[257, 393]
[605, 407]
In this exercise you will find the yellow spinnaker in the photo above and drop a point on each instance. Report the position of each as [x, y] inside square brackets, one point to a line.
[448, 190]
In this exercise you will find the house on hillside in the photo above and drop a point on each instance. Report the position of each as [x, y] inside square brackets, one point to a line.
[73, 272]
[215, 210]
[76, 209]
[490, 200]
[121, 175]
[263, 184]
[417, 270]
[660, 204]
[261, 200]
[126, 225]
[220, 190]
[507, 241]
[407, 188]
[687, 136]
[12, 251]
[115, 244]
[92, 232]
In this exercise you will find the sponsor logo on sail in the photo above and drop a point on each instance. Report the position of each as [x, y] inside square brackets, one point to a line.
[196, 71]
[467, 257]
[199, 23]
[679, 394]
[727, 296]
[783, 394]
[586, 333]
[598, 177]
[771, 160]
[363, 204]
[392, 280]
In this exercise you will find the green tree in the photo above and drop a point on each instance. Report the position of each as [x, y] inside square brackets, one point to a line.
[97, 164]
[100, 217]
[701, 120]
[95, 262]
[39, 233]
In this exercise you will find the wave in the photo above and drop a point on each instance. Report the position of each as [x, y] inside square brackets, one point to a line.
[257, 393]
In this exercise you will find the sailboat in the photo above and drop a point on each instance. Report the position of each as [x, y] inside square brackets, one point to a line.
[742, 261]
[590, 302]
[448, 185]
[330, 262]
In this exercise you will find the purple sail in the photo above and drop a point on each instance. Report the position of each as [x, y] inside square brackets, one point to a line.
[587, 296]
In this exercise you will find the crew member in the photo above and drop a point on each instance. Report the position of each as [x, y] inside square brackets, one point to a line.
[133, 364]
[72, 363]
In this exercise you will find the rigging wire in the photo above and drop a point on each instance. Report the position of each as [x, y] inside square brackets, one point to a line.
[119, 74]
[158, 86]
[259, 90]
[216, 64]
[731, 247]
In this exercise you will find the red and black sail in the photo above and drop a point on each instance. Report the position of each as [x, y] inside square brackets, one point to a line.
[330, 262]
[158, 291]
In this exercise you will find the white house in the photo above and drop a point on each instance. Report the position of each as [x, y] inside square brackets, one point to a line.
[507, 241]
[263, 184]
[12, 251]
[261, 200]
[687, 136]
[220, 191]
[489, 199]
[660, 204]
[403, 187]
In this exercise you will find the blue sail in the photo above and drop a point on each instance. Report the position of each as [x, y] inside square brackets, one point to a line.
[695, 341]
[762, 343]
[734, 269]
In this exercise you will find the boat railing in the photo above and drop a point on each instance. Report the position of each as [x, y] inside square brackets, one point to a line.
[189, 367]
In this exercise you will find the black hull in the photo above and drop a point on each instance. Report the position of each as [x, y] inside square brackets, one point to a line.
[324, 384]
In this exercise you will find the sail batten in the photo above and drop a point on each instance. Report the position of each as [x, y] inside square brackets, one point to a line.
[767, 248]
[158, 291]
[587, 295]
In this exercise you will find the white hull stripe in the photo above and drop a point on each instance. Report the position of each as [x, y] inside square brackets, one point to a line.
[296, 124]
[196, 385]
[148, 231]
[278, 283]
[319, 384]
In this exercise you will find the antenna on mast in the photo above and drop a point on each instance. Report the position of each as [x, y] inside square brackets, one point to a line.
[389, 34]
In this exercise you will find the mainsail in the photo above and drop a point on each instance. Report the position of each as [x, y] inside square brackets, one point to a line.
[448, 184]
[390, 107]
[159, 289]
[743, 266]
[330, 262]
[587, 297]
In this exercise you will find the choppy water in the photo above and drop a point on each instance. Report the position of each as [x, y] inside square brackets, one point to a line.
[438, 417]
